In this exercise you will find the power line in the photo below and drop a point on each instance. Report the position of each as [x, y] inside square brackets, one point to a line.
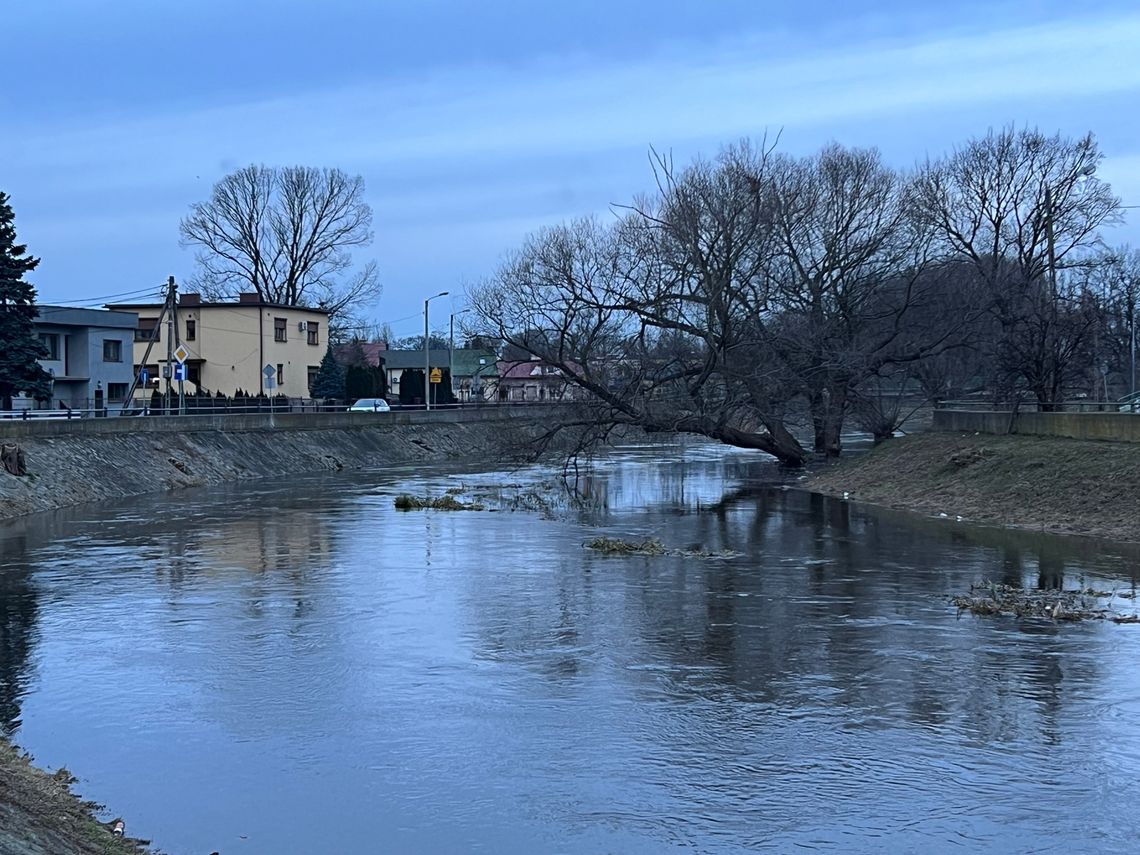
[94, 300]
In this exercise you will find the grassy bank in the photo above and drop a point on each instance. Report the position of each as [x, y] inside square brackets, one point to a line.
[1065, 486]
[39, 815]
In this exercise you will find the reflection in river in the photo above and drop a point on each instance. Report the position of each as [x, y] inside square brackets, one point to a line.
[296, 667]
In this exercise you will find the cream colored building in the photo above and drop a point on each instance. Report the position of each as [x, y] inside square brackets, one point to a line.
[230, 344]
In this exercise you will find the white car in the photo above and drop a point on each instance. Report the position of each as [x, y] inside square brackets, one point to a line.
[370, 405]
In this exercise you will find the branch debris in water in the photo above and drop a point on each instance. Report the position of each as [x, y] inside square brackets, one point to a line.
[405, 502]
[613, 546]
[991, 598]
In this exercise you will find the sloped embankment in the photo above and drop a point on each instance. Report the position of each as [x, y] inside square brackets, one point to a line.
[71, 470]
[1064, 486]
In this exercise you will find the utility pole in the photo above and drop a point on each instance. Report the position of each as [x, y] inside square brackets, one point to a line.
[168, 371]
[451, 358]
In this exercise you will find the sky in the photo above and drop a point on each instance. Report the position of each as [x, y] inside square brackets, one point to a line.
[475, 123]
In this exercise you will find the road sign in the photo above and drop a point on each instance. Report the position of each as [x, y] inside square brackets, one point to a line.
[144, 376]
[436, 375]
[180, 372]
[181, 353]
[269, 371]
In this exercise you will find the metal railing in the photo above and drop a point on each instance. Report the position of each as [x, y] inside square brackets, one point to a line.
[1131, 404]
[204, 406]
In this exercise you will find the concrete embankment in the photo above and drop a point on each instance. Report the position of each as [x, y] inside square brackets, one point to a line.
[71, 463]
[1064, 486]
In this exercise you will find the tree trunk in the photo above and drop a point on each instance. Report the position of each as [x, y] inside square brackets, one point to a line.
[781, 445]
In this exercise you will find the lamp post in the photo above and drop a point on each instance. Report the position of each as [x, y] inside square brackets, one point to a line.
[427, 352]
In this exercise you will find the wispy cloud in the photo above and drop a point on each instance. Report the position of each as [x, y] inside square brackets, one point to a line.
[486, 145]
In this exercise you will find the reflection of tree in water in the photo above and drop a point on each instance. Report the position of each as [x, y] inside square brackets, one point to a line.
[830, 595]
[18, 613]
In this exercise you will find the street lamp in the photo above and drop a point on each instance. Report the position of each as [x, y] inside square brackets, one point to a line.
[427, 352]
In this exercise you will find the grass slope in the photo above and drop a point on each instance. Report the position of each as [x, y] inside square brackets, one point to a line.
[1065, 486]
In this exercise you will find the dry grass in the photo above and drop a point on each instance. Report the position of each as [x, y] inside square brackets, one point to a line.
[1065, 486]
[39, 815]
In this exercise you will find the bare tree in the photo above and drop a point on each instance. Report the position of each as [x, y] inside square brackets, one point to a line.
[286, 234]
[847, 276]
[1023, 208]
[658, 317]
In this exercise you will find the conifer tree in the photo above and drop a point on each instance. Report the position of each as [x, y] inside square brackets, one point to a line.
[329, 382]
[19, 347]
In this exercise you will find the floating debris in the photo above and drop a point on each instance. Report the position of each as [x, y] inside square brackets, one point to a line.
[992, 598]
[614, 546]
[405, 502]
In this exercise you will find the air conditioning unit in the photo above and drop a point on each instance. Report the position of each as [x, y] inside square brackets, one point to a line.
[302, 326]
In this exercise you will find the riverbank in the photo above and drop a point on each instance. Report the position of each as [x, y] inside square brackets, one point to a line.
[1062, 486]
[66, 469]
[39, 815]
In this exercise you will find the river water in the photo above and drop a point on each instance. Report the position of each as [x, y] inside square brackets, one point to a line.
[296, 667]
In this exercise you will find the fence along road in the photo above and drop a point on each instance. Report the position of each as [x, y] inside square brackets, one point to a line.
[17, 427]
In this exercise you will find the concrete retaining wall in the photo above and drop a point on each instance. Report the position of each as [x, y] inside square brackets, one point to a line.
[1112, 427]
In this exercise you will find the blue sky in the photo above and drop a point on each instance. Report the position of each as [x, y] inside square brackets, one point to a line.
[474, 123]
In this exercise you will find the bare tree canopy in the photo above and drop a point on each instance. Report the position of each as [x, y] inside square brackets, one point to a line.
[760, 299]
[286, 234]
[1025, 211]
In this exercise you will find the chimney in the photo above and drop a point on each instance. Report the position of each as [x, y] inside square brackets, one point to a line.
[190, 300]
[249, 298]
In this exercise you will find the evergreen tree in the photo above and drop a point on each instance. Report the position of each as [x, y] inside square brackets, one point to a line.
[412, 386]
[329, 382]
[19, 347]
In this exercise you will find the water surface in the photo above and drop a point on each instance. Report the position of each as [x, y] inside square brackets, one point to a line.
[296, 667]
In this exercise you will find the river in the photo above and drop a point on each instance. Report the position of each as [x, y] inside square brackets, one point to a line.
[294, 666]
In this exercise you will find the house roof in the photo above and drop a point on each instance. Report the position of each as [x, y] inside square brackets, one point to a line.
[527, 369]
[370, 351]
[67, 316]
[466, 360]
[233, 304]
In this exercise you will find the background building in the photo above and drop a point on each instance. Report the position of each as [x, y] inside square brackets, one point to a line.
[231, 344]
[89, 352]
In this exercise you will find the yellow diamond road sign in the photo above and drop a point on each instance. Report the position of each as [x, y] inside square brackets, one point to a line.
[181, 353]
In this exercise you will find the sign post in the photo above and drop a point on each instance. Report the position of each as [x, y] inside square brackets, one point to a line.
[181, 354]
[436, 378]
[270, 372]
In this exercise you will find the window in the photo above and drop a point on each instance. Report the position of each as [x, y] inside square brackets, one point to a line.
[280, 374]
[148, 327]
[194, 373]
[313, 371]
[112, 350]
[314, 330]
[51, 342]
[191, 329]
[117, 391]
[279, 329]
